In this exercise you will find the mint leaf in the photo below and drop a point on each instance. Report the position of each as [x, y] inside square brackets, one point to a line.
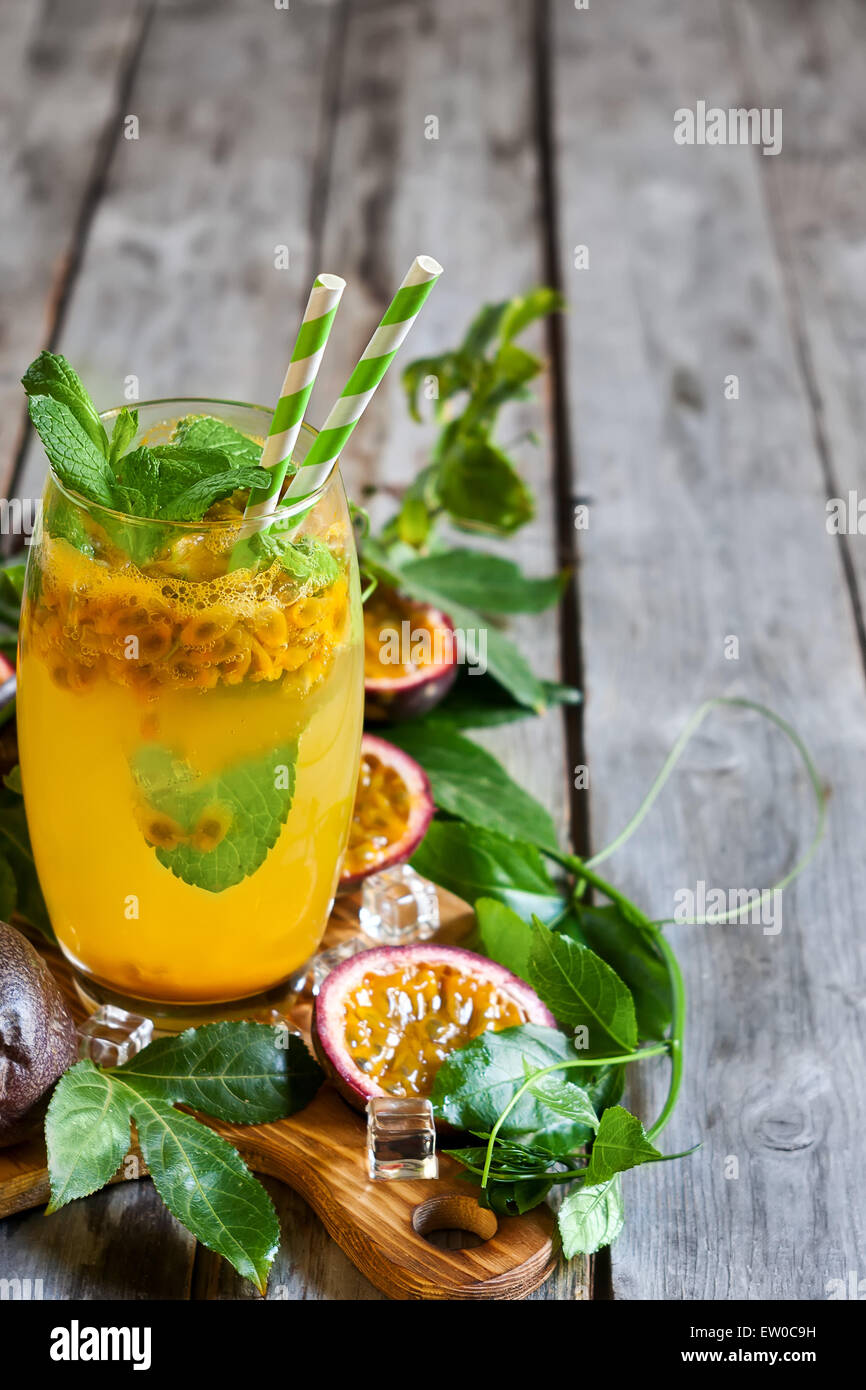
[590, 1218]
[582, 991]
[220, 828]
[525, 308]
[206, 1185]
[51, 375]
[621, 1143]
[240, 1072]
[207, 432]
[77, 461]
[485, 582]
[479, 487]
[123, 433]
[87, 1133]
[476, 863]
[173, 483]
[308, 560]
[468, 782]
[476, 1082]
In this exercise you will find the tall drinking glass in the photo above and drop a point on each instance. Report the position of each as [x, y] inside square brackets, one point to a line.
[189, 739]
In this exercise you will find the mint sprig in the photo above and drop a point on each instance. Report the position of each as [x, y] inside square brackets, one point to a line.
[238, 1072]
[220, 828]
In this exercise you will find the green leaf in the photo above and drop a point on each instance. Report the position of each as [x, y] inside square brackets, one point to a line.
[468, 782]
[485, 582]
[11, 593]
[16, 848]
[479, 702]
[308, 560]
[475, 863]
[206, 1185]
[479, 487]
[171, 482]
[220, 828]
[86, 1131]
[564, 1098]
[124, 431]
[246, 1073]
[8, 890]
[620, 1143]
[51, 376]
[582, 991]
[77, 461]
[207, 432]
[590, 1218]
[504, 936]
[452, 372]
[484, 328]
[634, 957]
[525, 308]
[476, 1082]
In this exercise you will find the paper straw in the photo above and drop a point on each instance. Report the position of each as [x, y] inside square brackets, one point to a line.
[361, 386]
[301, 374]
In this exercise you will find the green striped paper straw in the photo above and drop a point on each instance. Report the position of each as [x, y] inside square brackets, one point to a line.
[301, 374]
[361, 386]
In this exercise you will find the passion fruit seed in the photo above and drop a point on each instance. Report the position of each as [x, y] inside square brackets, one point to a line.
[400, 1027]
[385, 1020]
[393, 807]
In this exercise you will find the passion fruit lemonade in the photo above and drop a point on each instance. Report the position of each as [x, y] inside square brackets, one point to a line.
[189, 738]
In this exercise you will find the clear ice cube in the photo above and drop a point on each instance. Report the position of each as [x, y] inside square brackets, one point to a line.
[401, 1138]
[111, 1036]
[398, 906]
[310, 978]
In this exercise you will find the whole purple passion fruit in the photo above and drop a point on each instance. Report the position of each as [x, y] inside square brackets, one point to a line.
[410, 656]
[37, 1036]
[386, 1019]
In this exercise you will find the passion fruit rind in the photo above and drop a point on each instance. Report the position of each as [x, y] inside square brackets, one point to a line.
[331, 1018]
[393, 808]
[410, 657]
[147, 632]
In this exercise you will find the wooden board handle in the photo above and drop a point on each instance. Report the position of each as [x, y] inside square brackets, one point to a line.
[382, 1225]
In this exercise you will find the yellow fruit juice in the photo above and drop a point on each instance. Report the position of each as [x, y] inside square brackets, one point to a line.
[189, 743]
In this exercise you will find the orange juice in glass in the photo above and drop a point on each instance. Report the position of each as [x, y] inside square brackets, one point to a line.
[189, 738]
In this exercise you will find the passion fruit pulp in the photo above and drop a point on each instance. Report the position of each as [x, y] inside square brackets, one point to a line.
[393, 808]
[410, 656]
[386, 1019]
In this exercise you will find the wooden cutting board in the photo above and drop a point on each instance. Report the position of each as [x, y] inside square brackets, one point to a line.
[320, 1153]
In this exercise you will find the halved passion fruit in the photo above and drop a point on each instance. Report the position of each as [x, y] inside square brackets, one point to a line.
[386, 1019]
[393, 808]
[410, 656]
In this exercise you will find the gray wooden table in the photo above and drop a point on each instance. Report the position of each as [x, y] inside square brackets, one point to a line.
[306, 128]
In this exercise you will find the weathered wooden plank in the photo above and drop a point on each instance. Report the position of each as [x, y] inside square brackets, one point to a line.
[806, 60]
[86, 1249]
[61, 70]
[179, 285]
[707, 522]
[470, 197]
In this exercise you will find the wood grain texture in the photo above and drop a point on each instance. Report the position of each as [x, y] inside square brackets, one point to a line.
[177, 284]
[61, 68]
[707, 521]
[121, 1243]
[321, 1153]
